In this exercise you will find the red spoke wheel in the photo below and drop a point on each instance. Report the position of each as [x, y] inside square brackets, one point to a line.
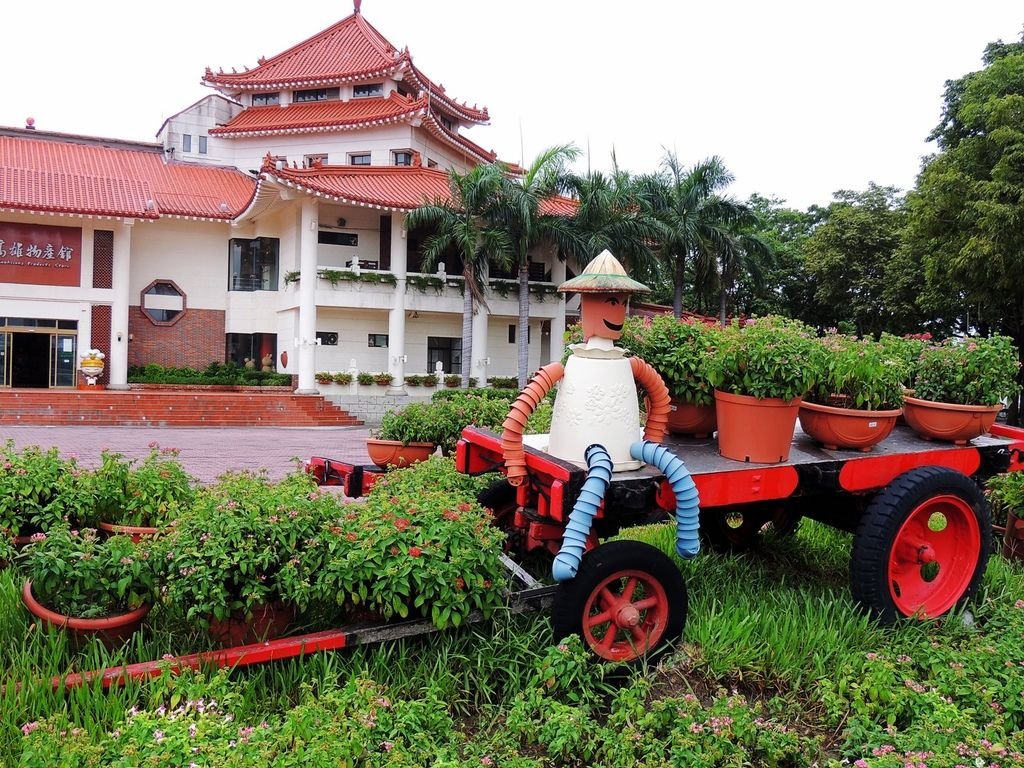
[627, 602]
[921, 547]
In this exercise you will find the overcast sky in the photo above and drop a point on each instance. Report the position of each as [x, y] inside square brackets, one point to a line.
[799, 98]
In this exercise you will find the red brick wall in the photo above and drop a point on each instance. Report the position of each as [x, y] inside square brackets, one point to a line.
[100, 340]
[195, 341]
[102, 259]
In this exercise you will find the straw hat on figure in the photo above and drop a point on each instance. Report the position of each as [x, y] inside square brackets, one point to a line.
[596, 411]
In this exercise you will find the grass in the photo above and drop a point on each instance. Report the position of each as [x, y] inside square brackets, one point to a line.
[776, 668]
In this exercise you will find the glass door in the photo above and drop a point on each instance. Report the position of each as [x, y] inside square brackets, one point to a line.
[5, 359]
[62, 360]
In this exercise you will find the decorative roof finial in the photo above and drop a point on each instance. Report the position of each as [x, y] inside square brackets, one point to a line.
[356, 4]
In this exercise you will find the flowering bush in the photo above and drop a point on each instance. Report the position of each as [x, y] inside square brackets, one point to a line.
[38, 489]
[858, 374]
[770, 358]
[681, 351]
[441, 421]
[971, 372]
[76, 573]
[419, 545]
[148, 493]
[228, 553]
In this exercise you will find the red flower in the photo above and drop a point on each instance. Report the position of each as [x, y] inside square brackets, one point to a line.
[351, 536]
[464, 507]
[402, 523]
[395, 500]
[395, 550]
[460, 583]
[451, 514]
[415, 551]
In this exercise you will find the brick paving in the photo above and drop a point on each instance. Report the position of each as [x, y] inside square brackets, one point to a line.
[206, 452]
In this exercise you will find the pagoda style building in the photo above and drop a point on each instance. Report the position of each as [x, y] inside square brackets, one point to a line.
[265, 224]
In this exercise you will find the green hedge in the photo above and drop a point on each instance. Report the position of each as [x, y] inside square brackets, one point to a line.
[214, 373]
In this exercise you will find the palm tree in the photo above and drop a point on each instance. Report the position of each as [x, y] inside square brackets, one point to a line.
[521, 214]
[696, 221]
[741, 253]
[460, 223]
[609, 216]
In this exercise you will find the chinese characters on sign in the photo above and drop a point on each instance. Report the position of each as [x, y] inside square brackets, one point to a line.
[40, 255]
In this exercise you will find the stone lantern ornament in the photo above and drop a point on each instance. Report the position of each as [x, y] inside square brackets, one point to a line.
[596, 417]
[91, 366]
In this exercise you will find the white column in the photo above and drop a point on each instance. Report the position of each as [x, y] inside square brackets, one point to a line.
[480, 357]
[118, 361]
[306, 343]
[558, 321]
[396, 317]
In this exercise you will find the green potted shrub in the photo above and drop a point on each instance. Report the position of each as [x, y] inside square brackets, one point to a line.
[681, 352]
[430, 380]
[959, 387]
[405, 436]
[413, 380]
[343, 378]
[452, 380]
[139, 498]
[38, 490]
[91, 586]
[364, 378]
[226, 560]
[858, 395]
[761, 372]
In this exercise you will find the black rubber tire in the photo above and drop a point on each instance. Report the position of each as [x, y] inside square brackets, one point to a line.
[736, 530]
[604, 562]
[884, 518]
[499, 496]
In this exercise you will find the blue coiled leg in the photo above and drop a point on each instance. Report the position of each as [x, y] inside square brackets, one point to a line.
[574, 541]
[687, 498]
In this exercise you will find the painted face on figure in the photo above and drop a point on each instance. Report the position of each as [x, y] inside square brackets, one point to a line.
[602, 314]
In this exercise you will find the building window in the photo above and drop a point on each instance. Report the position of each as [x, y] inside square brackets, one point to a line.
[349, 239]
[512, 334]
[265, 99]
[403, 157]
[359, 158]
[368, 90]
[186, 142]
[162, 302]
[377, 340]
[202, 145]
[249, 350]
[431, 163]
[444, 350]
[447, 123]
[316, 94]
[327, 338]
[252, 264]
[310, 160]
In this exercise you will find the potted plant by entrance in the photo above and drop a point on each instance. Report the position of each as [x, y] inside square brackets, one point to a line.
[138, 498]
[761, 372]
[86, 585]
[681, 350]
[858, 396]
[959, 387]
[405, 436]
[231, 559]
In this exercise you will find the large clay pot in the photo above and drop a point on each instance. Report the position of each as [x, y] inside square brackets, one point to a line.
[112, 631]
[266, 623]
[837, 428]
[685, 418]
[755, 430]
[137, 532]
[384, 453]
[948, 421]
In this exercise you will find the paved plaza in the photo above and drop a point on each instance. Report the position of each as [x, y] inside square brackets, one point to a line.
[206, 452]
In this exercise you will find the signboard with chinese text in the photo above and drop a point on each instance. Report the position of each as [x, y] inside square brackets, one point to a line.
[40, 255]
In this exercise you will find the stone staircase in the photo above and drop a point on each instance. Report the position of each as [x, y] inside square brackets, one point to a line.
[170, 408]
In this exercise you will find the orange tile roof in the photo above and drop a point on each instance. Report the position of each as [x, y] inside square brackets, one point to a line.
[385, 187]
[307, 117]
[350, 51]
[79, 175]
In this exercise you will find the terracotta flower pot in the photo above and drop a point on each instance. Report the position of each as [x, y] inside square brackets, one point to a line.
[756, 430]
[948, 421]
[837, 428]
[1013, 537]
[137, 532]
[387, 452]
[112, 631]
[266, 623]
[685, 418]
